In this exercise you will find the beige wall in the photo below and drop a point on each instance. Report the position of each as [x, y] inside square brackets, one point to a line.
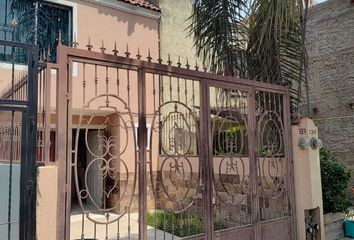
[113, 26]
[174, 33]
[307, 178]
[47, 187]
[100, 22]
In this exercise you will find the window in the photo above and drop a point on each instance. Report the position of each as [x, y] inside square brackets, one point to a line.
[39, 22]
[55, 18]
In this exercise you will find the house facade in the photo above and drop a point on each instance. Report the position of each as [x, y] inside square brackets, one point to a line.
[331, 76]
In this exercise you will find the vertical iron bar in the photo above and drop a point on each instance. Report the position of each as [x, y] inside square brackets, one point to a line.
[252, 138]
[142, 138]
[69, 151]
[47, 110]
[107, 81]
[10, 177]
[118, 232]
[117, 81]
[170, 87]
[11, 145]
[61, 141]
[83, 226]
[206, 156]
[96, 79]
[128, 86]
[290, 171]
[28, 159]
[95, 231]
[84, 83]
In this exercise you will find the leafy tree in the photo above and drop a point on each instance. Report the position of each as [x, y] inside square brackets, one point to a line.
[257, 39]
[335, 180]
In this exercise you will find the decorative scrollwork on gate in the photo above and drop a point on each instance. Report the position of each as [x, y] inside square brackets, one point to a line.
[271, 158]
[178, 167]
[231, 173]
[107, 162]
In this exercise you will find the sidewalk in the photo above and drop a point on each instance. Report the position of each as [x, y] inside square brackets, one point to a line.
[76, 228]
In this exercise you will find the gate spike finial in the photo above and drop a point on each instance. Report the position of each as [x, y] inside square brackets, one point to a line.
[196, 66]
[187, 65]
[89, 46]
[127, 53]
[115, 51]
[75, 43]
[179, 62]
[103, 49]
[149, 56]
[204, 67]
[169, 62]
[138, 56]
[159, 59]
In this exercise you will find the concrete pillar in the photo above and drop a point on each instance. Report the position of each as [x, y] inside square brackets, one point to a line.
[47, 192]
[307, 177]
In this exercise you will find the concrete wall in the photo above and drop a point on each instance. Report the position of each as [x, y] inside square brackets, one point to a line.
[331, 69]
[307, 180]
[334, 226]
[174, 39]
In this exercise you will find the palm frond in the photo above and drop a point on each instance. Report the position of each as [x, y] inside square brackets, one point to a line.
[219, 28]
[276, 52]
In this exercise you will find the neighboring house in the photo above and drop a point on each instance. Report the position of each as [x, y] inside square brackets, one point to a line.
[330, 45]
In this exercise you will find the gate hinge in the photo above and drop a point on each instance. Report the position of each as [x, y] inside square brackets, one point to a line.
[66, 188]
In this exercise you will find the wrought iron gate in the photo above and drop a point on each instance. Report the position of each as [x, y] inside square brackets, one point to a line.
[155, 151]
[18, 125]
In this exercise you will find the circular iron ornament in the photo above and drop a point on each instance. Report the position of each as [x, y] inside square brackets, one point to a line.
[177, 175]
[108, 145]
[271, 154]
[179, 134]
[178, 169]
[107, 160]
[232, 186]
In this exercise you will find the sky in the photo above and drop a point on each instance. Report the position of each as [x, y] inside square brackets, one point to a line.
[319, 1]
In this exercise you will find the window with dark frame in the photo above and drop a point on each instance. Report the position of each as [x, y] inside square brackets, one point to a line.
[37, 22]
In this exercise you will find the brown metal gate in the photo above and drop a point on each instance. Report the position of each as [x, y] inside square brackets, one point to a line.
[155, 151]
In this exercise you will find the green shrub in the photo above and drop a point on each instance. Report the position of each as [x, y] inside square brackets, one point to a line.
[335, 181]
[179, 224]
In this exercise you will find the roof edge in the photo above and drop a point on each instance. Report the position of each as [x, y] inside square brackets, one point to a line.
[129, 8]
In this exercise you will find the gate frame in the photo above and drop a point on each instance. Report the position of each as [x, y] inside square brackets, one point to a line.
[68, 55]
[28, 165]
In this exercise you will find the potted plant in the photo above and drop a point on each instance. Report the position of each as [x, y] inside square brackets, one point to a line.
[349, 224]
